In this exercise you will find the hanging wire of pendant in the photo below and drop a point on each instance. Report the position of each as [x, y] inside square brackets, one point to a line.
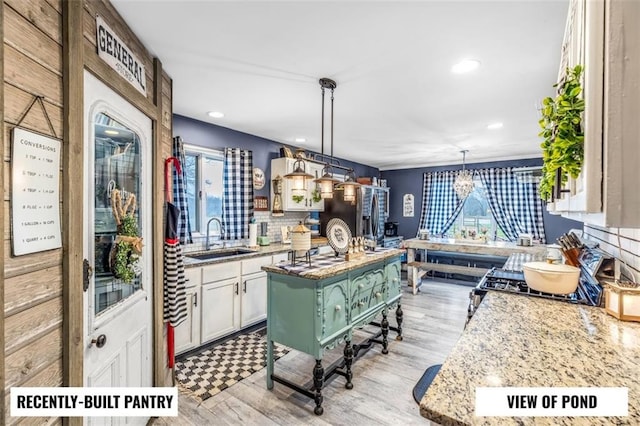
[326, 181]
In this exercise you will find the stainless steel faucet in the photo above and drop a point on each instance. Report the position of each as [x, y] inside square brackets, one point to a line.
[207, 244]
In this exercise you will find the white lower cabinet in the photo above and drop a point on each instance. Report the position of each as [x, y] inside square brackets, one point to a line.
[253, 304]
[220, 309]
[220, 304]
[187, 334]
[254, 299]
[222, 299]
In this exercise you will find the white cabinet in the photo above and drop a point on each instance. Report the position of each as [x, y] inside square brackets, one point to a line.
[253, 306]
[187, 334]
[253, 300]
[220, 311]
[283, 166]
[222, 299]
[606, 192]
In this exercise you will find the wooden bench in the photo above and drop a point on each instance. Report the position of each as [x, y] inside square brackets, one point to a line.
[419, 269]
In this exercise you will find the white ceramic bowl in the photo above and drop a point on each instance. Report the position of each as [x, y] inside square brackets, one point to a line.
[551, 278]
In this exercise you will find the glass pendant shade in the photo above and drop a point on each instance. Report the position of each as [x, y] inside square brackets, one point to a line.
[350, 193]
[463, 185]
[326, 182]
[298, 186]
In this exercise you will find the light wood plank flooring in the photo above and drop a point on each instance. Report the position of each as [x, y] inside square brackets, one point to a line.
[433, 321]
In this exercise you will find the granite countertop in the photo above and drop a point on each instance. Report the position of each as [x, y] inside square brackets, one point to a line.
[190, 262]
[524, 341]
[494, 248]
[339, 268]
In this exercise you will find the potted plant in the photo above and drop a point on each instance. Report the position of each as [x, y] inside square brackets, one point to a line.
[562, 132]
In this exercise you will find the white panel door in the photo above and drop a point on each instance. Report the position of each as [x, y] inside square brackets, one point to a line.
[254, 299]
[220, 309]
[117, 303]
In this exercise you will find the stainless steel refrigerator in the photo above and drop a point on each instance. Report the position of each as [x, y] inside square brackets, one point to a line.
[366, 217]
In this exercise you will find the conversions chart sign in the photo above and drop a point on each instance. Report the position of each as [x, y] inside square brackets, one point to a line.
[35, 203]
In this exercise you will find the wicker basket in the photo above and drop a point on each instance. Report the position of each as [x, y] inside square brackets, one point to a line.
[622, 302]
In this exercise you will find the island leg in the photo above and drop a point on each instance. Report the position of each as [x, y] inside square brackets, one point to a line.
[399, 319]
[412, 271]
[318, 382]
[348, 360]
[269, 363]
[384, 324]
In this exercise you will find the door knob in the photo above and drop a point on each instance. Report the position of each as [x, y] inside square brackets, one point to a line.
[100, 341]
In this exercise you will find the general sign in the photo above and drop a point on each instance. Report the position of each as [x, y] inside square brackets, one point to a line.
[119, 57]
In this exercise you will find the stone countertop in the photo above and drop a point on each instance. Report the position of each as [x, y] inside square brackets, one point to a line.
[340, 268]
[524, 341]
[494, 248]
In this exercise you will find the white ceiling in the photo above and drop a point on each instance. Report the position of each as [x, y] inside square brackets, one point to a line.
[397, 104]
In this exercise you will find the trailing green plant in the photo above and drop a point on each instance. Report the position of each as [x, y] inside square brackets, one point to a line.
[315, 195]
[297, 198]
[562, 132]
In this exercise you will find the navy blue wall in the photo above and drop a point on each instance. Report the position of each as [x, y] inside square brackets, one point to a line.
[409, 181]
[209, 135]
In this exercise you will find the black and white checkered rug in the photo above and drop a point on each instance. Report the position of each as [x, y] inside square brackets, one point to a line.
[214, 370]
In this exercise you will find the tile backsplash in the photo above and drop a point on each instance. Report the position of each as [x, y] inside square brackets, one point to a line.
[277, 222]
[274, 230]
[623, 243]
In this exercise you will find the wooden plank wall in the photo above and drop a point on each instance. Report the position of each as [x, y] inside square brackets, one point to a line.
[33, 283]
[32, 61]
[2, 218]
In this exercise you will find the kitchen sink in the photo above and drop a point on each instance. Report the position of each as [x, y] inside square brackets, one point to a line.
[217, 254]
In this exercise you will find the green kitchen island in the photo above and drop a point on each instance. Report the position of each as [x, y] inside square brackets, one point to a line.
[316, 307]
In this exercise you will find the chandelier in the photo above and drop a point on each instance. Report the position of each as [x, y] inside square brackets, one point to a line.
[463, 185]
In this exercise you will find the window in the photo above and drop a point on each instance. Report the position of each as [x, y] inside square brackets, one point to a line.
[204, 169]
[476, 216]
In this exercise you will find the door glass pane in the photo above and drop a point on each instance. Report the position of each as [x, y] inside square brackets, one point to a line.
[117, 167]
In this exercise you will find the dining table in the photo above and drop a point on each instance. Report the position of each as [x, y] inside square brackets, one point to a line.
[416, 270]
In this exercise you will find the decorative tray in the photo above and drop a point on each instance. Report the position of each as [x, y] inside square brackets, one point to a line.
[339, 235]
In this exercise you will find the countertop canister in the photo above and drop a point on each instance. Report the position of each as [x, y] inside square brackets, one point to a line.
[300, 239]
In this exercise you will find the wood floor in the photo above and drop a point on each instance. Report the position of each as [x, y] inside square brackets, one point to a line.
[433, 321]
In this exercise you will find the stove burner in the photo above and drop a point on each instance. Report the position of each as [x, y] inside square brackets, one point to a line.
[513, 282]
[589, 291]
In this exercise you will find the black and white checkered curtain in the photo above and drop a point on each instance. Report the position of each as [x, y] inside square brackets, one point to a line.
[180, 193]
[440, 204]
[237, 204]
[515, 205]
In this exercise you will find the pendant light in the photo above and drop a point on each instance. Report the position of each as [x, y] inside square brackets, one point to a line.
[326, 181]
[463, 185]
[349, 186]
[299, 177]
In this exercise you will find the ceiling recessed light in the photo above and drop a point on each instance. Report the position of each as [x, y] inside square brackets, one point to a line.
[300, 140]
[112, 132]
[494, 126]
[215, 114]
[464, 66]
